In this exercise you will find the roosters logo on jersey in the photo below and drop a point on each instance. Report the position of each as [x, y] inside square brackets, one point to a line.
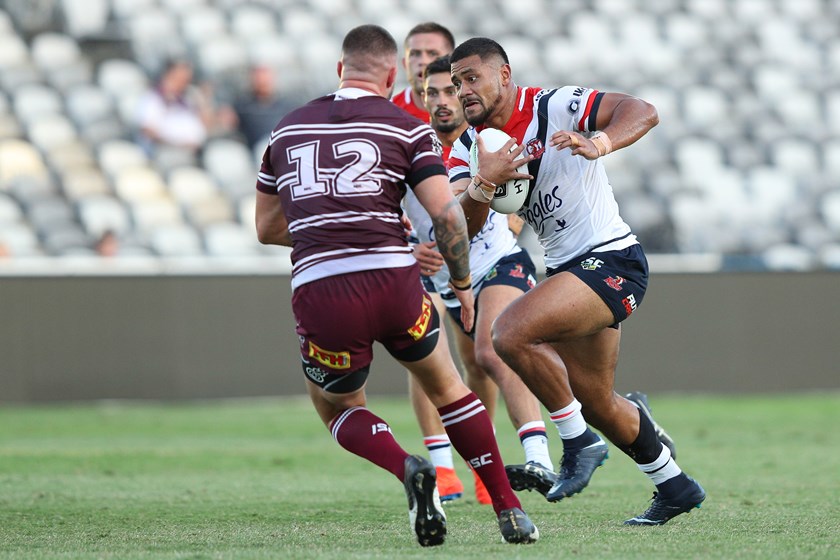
[418, 331]
[535, 147]
[334, 360]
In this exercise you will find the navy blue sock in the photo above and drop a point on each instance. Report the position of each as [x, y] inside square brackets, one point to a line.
[673, 486]
[585, 439]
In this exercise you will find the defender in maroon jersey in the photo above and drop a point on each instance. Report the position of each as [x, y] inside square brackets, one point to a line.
[330, 186]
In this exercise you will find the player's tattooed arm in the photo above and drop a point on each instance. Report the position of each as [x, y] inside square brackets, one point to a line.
[452, 242]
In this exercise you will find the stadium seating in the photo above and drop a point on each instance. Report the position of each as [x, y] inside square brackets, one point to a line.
[102, 213]
[746, 158]
[176, 240]
[84, 181]
[10, 211]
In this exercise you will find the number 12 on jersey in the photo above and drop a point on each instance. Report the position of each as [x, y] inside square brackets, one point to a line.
[351, 171]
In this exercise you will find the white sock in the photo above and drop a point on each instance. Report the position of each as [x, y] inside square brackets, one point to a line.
[664, 468]
[535, 443]
[440, 450]
[569, 420]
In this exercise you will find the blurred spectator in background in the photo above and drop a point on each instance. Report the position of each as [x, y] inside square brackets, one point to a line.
[108, 244]
[176, 113]
[257, 112]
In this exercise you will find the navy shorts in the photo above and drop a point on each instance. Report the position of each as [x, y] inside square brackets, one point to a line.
[339, 317]
[620, 277]
[515, 270]
[428, 284]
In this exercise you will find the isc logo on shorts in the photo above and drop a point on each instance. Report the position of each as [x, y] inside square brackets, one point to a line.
[335, 360]
[418, 331]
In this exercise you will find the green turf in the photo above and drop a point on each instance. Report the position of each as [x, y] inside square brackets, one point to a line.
[263, 479]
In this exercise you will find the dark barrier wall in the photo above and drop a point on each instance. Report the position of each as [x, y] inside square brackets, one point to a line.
[177, 337]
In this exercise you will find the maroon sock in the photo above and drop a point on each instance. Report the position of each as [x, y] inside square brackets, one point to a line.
[362, 433]
[471, 433]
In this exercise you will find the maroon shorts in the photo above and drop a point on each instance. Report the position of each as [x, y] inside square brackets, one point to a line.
[339, 318]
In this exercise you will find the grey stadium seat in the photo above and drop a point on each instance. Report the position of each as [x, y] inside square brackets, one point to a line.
[101, 213]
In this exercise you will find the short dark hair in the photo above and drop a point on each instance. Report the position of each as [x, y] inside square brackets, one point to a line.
[430, 27]
[481, 46]
[369, 39]
[439, 65]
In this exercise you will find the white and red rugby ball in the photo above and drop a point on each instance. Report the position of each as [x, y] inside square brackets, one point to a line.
[509, 196]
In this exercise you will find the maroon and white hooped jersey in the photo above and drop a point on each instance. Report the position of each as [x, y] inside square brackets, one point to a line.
[341, 165]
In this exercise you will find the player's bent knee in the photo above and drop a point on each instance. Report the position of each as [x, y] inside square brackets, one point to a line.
[488, 360]
[505, 348]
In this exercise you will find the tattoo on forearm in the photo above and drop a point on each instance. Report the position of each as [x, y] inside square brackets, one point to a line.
[452, 241]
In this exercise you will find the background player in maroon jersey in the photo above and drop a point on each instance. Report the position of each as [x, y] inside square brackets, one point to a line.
[424, 43]
[330, 186]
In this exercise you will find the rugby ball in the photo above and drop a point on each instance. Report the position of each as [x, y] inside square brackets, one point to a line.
[509, 196]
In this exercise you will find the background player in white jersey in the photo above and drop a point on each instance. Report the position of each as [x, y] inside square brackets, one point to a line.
[563, 337]
[423, 44]
[330, 186]
[503, 272]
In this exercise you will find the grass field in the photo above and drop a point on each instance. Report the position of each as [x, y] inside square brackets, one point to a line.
[263, 479]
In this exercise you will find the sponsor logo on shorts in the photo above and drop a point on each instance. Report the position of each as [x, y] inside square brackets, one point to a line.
[629, 303]
[334, 360]
[615, 283]
[535, 147]
[591, 264]
[517, 271]
[532, 282]
[492, 274]
[418, 331]
[315, 373]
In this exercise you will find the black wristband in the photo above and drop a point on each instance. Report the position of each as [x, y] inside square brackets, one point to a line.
[460, 288]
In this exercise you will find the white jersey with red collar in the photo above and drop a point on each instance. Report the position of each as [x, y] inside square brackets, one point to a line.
[494, 242]
[570, 204]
